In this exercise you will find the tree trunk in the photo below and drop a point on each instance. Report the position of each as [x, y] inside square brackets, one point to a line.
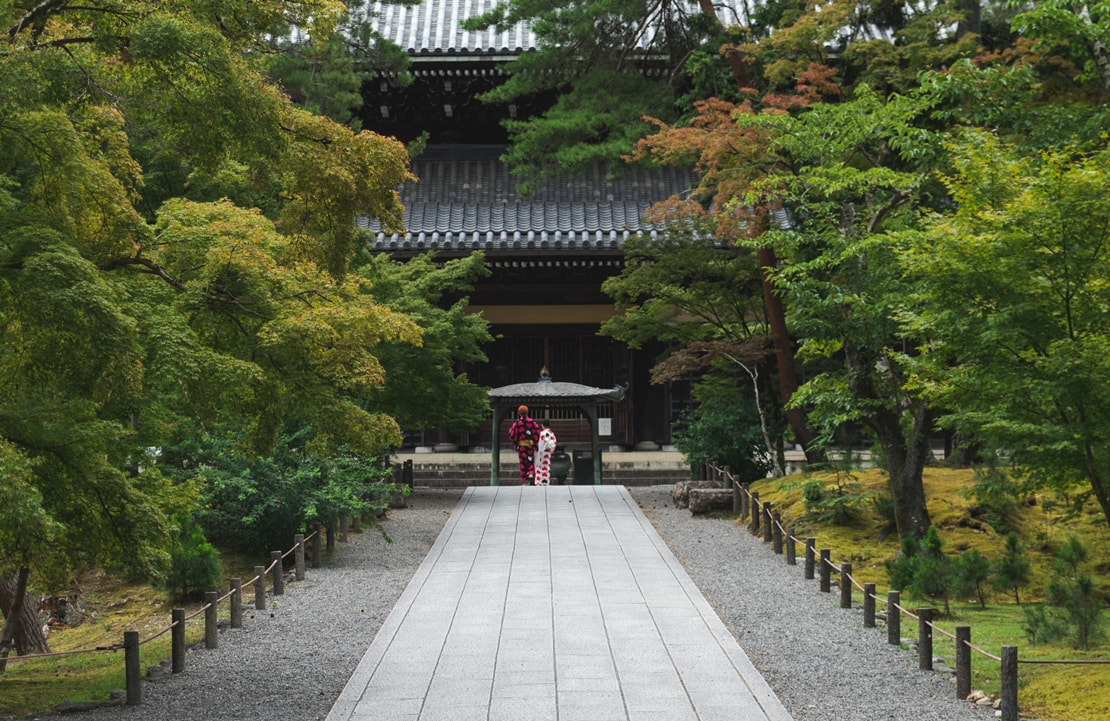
[776, 315]
[905, 459]
[21, 625]
[972, 19]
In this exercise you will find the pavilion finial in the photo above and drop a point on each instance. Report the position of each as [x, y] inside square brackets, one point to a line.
[545, 375]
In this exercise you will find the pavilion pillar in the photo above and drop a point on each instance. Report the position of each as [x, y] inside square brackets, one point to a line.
[495, 462]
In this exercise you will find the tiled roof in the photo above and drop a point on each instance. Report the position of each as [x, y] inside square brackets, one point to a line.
[466, 199]
[434, 27]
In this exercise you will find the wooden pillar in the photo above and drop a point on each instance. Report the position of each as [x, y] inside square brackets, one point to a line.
[131, 668]
[260, 588]
[869, 605]
[236, 603]
[211, 621]
[963, 662]
[279, 573]
[925, 638]
[177, 640]
[298, 556]
[893, 618]
[810, 542]
[1009, 683]
[824, 571]
[845, 585]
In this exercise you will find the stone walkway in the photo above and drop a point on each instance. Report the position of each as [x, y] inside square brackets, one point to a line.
[553, 604]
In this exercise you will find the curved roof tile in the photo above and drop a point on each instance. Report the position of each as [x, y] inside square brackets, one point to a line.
[466, 199]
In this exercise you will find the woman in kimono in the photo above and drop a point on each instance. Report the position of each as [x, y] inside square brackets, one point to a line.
[524, 432]
[544, 448]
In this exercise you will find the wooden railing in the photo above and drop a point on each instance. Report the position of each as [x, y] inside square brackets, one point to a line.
[764, 521]
[131, 642]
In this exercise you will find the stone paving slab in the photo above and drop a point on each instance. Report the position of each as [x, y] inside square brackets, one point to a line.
[553, 604]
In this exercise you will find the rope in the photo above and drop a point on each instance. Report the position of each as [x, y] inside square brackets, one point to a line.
[29, 656]
[159, 633]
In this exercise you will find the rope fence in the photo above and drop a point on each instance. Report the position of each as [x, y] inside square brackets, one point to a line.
[178, 618]
[763, 521]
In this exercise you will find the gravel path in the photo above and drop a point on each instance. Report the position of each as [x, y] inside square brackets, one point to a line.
[292, 663]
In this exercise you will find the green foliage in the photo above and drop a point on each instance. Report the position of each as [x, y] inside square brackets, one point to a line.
[724, 428]
[1012, 282]
[997, 495]
[257, 505]
[923, 569]
[194, 562]
[174, 241]
[972, 572]
[423, 388]
[1073, 592]
[1073, 606]
[839, 503]
[1011, 571]
[594, 54]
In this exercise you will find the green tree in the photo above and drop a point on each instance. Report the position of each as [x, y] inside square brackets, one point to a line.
[133, 297]
[854, 175]
[1011, 571]
[1012, 287]
[1082, 28]
[687, 290]
[423, 387]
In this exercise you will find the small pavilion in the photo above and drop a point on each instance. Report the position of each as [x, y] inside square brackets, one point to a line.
[546, 393]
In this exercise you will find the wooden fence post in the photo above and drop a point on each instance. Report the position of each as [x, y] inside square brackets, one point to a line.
[753, 527]
[298, 556]
[279, 573]
[963, 662]
[810, 542]
[925, 638]
[845, 585]
[869, 605]
[177, 640]
[776, 533]
[744, 502]
[317, 542]
[825, 571]
[1009, 683]
[791, 549]
[260, 588]
[131, 668]
[767, 524]
[211, 619]
[236, 603]
[893, 618]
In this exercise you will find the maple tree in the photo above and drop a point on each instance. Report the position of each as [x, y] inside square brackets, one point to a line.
[176, 243]
[1012, 287]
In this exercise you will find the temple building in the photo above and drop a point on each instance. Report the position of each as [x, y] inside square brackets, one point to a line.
[548, 252]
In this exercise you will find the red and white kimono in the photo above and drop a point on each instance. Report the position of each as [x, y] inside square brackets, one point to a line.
[545, 446]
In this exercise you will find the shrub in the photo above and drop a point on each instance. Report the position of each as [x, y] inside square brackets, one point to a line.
[924, 570]
[1074, 593]
[194, 562]
[1011, 571]
[725, 430]
[257, 505]
[839, 504]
